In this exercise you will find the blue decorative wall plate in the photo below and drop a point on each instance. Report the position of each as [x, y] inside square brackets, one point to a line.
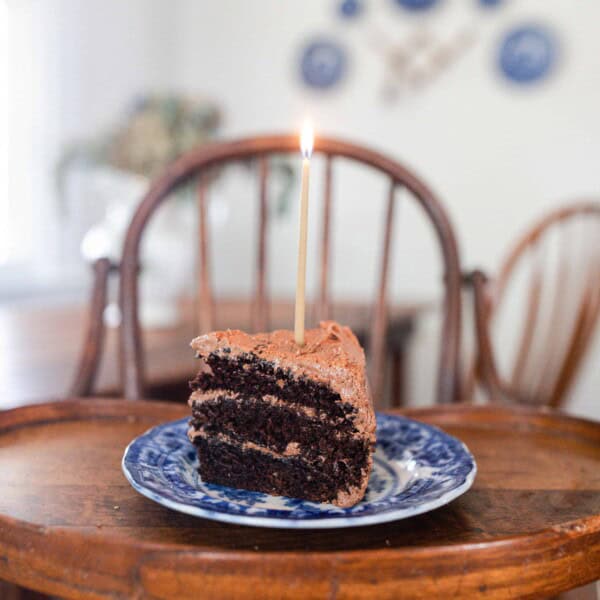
[527, 54]
[323, 64]
[350, 9]
[417, 468]
[417, 5]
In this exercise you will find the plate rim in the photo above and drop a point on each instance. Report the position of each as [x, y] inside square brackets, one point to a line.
[330, 522]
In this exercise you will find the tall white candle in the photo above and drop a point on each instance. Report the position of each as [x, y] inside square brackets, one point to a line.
[306, 146]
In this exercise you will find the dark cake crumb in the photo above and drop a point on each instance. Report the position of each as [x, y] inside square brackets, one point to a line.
[229, 465]
[252, 376]
[277, 426]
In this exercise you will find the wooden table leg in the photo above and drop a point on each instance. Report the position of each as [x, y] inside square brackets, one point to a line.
[398, 340]
[397, 395]
[10, 591]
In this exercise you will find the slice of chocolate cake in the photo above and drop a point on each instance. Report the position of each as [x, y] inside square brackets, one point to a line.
[271, 416]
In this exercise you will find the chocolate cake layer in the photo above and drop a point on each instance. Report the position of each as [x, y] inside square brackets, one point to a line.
[250, 375]
[230, 465]
[280, 429]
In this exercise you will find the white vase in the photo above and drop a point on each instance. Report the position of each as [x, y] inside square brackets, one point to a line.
[167, 256]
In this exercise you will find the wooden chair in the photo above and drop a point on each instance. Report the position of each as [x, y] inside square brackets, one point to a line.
[561, 312]
[197, 165]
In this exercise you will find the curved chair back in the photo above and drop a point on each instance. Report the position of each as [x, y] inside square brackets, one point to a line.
[200, 162]
[560, 257]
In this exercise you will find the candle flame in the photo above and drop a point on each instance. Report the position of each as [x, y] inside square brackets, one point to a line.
[307, 138]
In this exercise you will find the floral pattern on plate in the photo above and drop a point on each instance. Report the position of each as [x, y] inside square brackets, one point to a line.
[416, 468]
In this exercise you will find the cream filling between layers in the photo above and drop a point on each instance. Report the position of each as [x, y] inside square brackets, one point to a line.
[198, 397]
[306, 411]
[292, 449]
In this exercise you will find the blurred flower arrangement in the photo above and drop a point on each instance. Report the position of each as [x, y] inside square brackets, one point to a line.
[113, 172]
[155, 130]
[153, 133]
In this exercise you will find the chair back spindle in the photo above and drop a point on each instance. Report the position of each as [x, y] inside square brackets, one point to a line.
[562, 305]
[324, 311]
[521, 371]
[260, 317]
[205, 296]
[379, 324]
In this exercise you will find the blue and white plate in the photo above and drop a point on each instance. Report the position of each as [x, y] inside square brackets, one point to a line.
[416, 468]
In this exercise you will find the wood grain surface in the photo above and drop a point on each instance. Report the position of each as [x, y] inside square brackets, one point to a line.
[71, 525]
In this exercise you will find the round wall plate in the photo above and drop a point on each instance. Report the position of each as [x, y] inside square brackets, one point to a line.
[323, 63]
[417, 5]
[527, 54]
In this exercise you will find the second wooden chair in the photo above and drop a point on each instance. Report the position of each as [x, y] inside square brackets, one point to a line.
[560, 257]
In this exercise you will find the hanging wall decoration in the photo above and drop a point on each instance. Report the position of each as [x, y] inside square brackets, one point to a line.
[350, 9]
[418, 60]
[417, 5]
[415, 53]
[527, 54]
[323, 63]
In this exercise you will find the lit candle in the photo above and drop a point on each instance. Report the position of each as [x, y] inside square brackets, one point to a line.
[306, 147]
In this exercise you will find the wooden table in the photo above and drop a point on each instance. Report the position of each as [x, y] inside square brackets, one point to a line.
[39, 347]
[71, 525]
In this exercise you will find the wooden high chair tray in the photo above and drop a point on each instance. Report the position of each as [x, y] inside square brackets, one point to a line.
[71, 525]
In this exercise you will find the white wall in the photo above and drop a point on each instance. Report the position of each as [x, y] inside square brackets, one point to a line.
[73, 67]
